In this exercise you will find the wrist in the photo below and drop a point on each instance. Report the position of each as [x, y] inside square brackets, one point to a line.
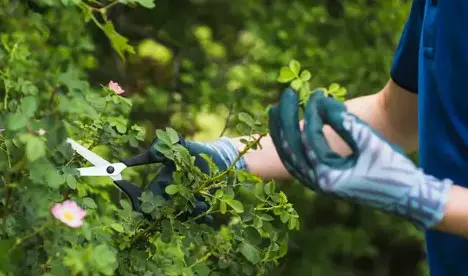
[426, 202]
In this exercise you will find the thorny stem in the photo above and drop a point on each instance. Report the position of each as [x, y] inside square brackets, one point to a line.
[201, 260]
[108, 6]
[144, 232]
[226, 125]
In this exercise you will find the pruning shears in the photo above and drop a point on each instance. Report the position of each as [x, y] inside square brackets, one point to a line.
[103, 167]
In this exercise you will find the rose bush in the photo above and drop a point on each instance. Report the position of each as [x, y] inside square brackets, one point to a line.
[53, 222]
[195, 62]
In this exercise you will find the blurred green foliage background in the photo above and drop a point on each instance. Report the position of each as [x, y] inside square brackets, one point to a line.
[197, 61]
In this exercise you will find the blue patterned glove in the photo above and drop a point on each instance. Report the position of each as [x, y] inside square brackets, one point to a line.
[377, 174]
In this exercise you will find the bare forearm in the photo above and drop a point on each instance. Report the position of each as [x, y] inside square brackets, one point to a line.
[378, 110]
[455, 220]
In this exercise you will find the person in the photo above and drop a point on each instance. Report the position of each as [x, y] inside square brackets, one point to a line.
[356, 150]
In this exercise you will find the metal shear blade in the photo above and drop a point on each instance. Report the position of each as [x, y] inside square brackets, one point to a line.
[101, 167]
[92, 157]
[112, 170]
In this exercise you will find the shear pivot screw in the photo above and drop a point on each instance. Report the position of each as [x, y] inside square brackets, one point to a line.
[110, 169]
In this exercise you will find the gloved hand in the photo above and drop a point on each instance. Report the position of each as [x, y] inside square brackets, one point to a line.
[377, 174]
[222, 151]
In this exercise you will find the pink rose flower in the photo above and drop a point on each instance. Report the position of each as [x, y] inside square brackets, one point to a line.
[69, 213]
[116, 87]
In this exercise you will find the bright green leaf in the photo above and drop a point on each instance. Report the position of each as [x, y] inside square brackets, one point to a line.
[295, 67]
[286, 75]
[305, 75]
[284, 217]
[222, 207]
[296, 84]
[117, 227]
[266, 217]
[246, 118]
[163, 136]
[259, 190]
[333, 87]
[172, 189]
[269, 188]
[145, 3]
[173, 135]
[235, 204]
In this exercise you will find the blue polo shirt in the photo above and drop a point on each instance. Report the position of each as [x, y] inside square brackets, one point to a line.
[432, 61]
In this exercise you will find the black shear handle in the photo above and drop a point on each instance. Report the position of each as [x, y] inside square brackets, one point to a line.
[132, 191]
[157, 186]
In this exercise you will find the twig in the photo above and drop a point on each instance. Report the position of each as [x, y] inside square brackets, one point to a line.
[202, 259]
[226, 124]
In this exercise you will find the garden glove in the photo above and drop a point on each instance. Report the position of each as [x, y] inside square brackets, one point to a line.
[377, 174]
[222, 152]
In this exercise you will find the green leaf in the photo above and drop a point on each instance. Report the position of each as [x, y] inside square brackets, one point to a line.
[222, 207]
[173, 135]
[284, 217]
[292, 223]
[250, 252]
[219, 193]
[305, 75]
[71, 181]
[147, 207]
[35, 148]
[235, 204]
[251, 235]
[333, 87]
[16, 121]
[125, 204]
[103, 259]
[163, 136]
[295, 67]
[269, 188]
[53, 178]
[172, 189]
[285, 75]
[29, 105]
[127, 101]
[87, 231]
[119, 123]
[259, 190]
[145, 3]
[201, 269]
[266, 217]
[119, 42]
[118, 227]
[296, 84]
[246, 118]
[89, 203]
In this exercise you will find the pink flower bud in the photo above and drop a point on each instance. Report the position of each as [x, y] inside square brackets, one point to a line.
[116, 87]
